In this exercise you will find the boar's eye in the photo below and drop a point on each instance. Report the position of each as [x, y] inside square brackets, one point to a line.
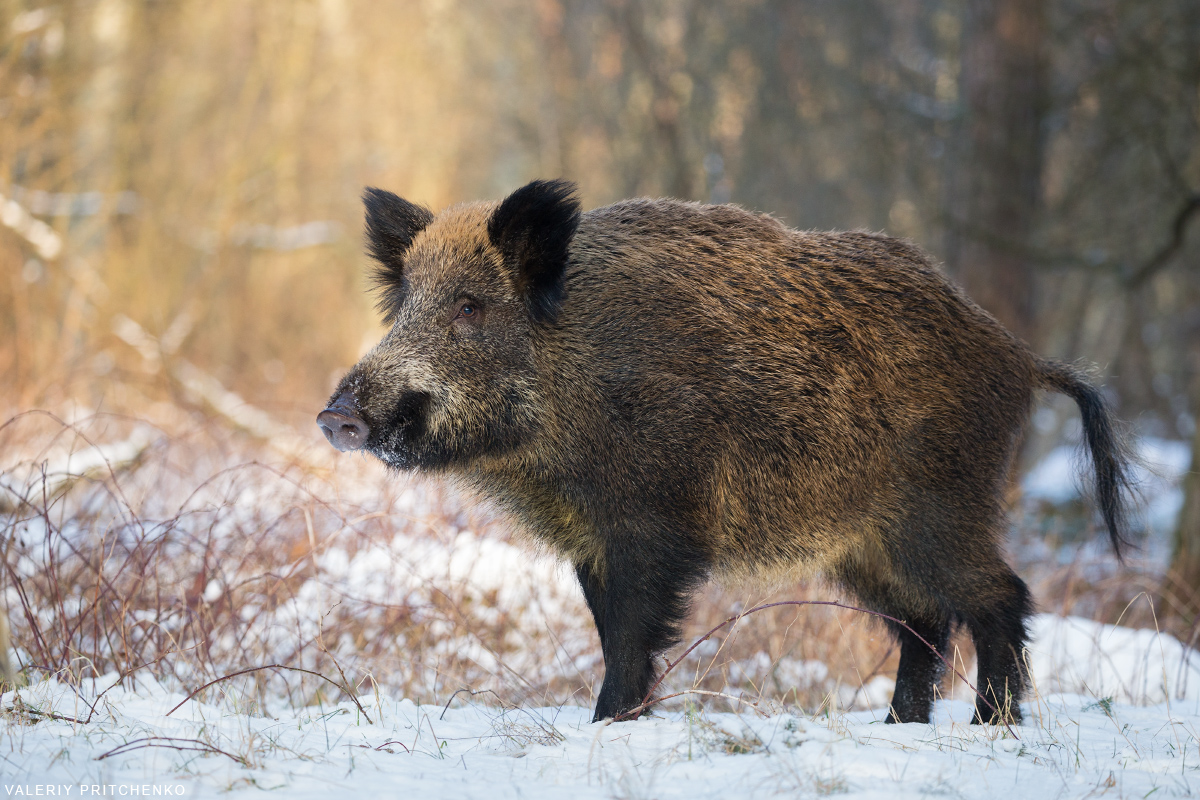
[469, 311]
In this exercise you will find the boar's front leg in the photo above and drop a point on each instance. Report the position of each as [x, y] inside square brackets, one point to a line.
[639, 605]
[593, 593]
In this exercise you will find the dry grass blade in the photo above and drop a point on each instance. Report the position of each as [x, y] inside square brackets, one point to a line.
[330, 681]
[472, 693]
[383, 747]
[171, 743]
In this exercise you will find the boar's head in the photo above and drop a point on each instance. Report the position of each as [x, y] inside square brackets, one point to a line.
[466, 294]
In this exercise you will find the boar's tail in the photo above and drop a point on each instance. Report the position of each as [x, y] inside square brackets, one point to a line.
[1109, 455]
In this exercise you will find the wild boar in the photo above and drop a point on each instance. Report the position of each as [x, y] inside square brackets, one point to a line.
[666, 392]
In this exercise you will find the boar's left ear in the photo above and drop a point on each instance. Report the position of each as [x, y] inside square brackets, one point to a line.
[532, 229]
[392, 224]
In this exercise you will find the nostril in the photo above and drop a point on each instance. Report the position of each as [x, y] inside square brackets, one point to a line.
[344, 429]
[355, 429]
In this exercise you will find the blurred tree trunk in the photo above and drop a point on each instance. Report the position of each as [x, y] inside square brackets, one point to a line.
[1185, 558]
[100, 108]
[1183, 576]
[996, 178]
[667, 106]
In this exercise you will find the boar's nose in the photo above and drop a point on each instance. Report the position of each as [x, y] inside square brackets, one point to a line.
[342, 425]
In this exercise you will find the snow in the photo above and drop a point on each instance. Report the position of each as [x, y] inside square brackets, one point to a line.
[1159, 465]
[1131, 666]
[1114, 710]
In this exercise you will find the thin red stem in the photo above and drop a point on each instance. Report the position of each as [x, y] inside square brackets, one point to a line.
[671, 665]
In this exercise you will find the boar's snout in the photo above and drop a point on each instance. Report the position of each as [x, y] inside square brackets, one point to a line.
[342, 425]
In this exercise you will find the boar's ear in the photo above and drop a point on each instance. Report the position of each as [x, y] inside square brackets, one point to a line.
[532, 229]
[392, 224]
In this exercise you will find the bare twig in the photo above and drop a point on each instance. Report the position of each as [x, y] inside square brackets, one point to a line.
[471, 692]
[345, 689]
[171, 743]
[671, 665]
[706, 692]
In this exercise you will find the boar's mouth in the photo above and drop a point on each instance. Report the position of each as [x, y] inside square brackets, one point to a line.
[402, 429]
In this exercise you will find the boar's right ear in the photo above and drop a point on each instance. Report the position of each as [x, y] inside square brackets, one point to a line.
[392, 224]
[532, 229]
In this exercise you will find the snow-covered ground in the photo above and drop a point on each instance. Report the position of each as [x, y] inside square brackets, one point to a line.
[182, 562]
[1088, 742]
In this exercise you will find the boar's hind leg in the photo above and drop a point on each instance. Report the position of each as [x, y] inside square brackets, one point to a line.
[914, 601]
[996, 619]
[638, 607]
[920, 668]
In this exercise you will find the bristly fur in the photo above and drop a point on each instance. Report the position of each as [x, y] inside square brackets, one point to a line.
[392, 223]
[719, 396]
[533, 229]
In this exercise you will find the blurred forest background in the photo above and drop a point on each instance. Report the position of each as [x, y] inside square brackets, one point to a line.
[180, 179]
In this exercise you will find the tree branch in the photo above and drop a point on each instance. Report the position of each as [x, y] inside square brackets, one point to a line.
[1146, 271]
